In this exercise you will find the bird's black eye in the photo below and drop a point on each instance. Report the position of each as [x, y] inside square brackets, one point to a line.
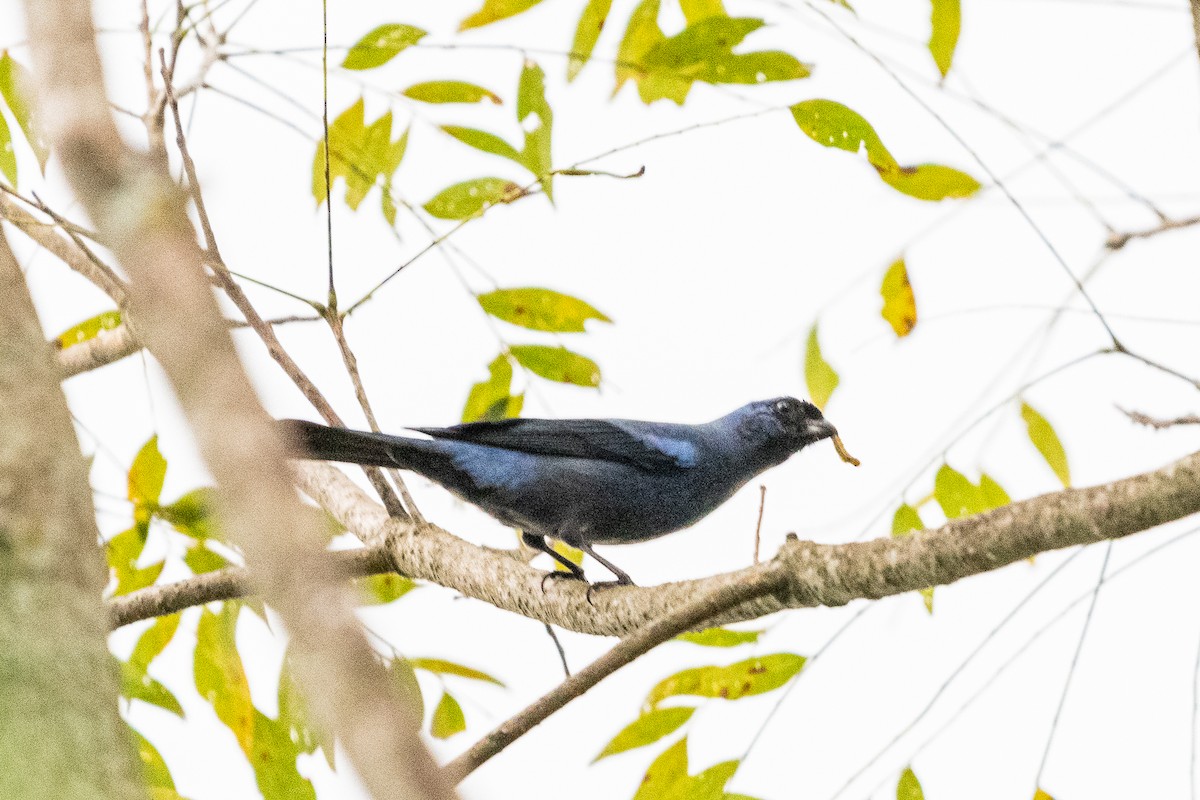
[784, 407]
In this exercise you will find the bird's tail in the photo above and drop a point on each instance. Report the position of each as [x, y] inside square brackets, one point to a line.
[311, 440]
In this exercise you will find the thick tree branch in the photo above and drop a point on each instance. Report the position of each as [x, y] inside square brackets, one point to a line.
[819, 574]
[60, 734]
[142, 216]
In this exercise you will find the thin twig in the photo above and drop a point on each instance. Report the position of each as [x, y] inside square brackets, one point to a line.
[1062, 701]
[1116, 241]
[337, 327]
[689, 617]
[253, 318]
[1158, 423]
[562, 654]
[762, 504]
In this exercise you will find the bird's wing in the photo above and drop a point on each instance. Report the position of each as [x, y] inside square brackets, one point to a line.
[647, 446]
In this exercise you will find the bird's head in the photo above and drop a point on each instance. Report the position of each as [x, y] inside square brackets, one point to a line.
[778, 428]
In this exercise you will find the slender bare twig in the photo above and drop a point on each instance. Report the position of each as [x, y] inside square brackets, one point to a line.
[1116, 240]
[762, 505]
[1122, 350]
[688, 617]
[337, 327]
[1195, 4]
[65, 249]
[562, 654]
[253, 318]
[1158, 423]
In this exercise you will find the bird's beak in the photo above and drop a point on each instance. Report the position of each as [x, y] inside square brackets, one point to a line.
[817, 429]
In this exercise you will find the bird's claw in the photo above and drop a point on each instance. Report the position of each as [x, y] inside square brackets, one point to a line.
[624, 580]
[559, 574]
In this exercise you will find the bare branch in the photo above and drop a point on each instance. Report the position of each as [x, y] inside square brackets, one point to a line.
[1159, 423]
[227, 584]
[1116, 240]
[141, 213]
[63, 247]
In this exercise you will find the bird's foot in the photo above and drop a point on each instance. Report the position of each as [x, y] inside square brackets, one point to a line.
[559, 574]
[601, 586]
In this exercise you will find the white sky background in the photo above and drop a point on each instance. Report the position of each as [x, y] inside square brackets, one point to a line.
[713, 266]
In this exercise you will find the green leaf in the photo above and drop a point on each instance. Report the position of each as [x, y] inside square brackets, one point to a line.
[945, 22]
[899, 303]
[448, 718]
[200, 560]
[832, 124]
[667, 775]
[491, 400]
[557, 364]
[647, 729]
[906, 520]
[381, 45]
[909, 788]
[16, 87]
[88, 329]
[494, 11]
[1042, 434]
[147, 474]
[710, 784]
[719, 637]
[482, 140]
[386, 588]
[295, 717]
[753, 68]
[819, 376]
[123, 552]
[136, 684]
[441, 667]
[273, 754]
[154, 640]
[666, 67]
[194, 514]
[591, 22]
[8, 154]
[641, 35]
[471, 198]
[931, 182]
[955, 493]
[450, 92]
[404, 679]
[745, 678]
[531, 100]
[363, 155]
[220, 677]
[696, 10]
[993, 494]
[154, 769]
[540, 309]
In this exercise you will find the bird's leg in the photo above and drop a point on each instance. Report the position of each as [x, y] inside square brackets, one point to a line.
[623, 578]
[537, 542]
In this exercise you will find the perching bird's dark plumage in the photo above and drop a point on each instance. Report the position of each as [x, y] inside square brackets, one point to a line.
[588, 481]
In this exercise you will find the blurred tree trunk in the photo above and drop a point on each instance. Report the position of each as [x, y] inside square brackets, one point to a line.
[60, 734]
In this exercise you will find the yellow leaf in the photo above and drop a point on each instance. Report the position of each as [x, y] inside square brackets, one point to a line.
[946, 20]
[1041, 794]
[899, 303]
[820, 378]
[1042, 434]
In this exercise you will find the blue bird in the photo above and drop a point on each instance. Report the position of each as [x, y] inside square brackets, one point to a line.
[588, 481]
